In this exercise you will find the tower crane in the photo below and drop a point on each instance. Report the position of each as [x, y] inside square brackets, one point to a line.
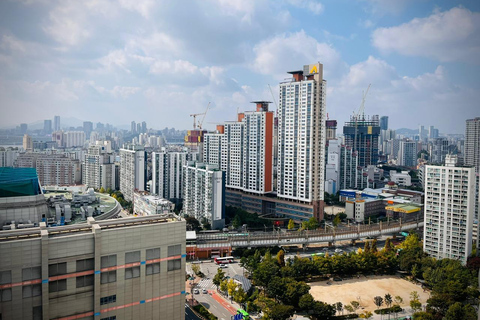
[357, 116]
[200, 123]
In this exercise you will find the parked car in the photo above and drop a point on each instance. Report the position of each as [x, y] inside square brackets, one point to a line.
[223, 266]
[196, 291]
[204, 290]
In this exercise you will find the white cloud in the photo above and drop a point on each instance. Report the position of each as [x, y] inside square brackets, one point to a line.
[287, 52]
[452, 35]
[143, 7]
[429, 98]
[68, 24]
[115, 59]
[382, 7]
[314, 6]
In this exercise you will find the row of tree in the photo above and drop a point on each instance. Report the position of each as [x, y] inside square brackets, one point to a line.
[453, 286]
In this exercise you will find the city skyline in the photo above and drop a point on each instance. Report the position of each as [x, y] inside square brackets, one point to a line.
[83, 60]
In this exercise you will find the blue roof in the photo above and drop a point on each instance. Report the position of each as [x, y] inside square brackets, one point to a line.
[17, 182]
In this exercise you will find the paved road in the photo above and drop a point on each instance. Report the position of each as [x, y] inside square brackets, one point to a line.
[189, 315]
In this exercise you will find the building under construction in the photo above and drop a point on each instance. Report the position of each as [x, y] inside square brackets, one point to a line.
[361, 134]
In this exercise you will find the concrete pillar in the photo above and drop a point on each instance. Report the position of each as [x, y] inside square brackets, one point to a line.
[97, 245]
[44, 258]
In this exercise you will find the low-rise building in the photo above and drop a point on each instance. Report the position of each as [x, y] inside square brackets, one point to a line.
[401, 178]
[146, 205]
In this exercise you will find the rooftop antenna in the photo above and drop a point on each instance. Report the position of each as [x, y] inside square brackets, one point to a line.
[273, 97]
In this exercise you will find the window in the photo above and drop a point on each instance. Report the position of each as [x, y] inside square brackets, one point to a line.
[6, 295]
[31, 291]
[56, 286]
[85, 264]
[109, 261]
[133, 256]
[153, 268]
[110, 318]
[109, 299]
[85, 281]
[37, 313]
[174, 264]
[133, 272]
[108, 277]
[57, 269]
[5, 277]
[31, 273]
[153, 253]
[174, 250]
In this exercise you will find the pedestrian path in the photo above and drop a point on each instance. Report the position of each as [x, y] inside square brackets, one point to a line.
[207, 284]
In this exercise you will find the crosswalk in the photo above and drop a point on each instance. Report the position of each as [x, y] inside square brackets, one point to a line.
[207, 284]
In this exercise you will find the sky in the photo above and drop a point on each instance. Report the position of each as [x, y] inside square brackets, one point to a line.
[160, 61]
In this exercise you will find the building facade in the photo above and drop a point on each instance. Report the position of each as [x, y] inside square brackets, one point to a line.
[27, 143]
[407, 153]
[98, 170]
[449, 210]
[167, 174]
[301, 138]
[204, 193]
[133, 168]
[133, 268]
[362, 135]
[472, 143]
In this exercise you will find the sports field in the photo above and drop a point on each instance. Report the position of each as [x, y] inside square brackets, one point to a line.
[364, 289]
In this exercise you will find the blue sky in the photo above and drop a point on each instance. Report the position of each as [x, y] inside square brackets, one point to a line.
[159, 61]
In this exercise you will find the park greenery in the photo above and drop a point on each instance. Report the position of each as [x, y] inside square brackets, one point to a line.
[117, 195]
[282, 288]
[238, 217]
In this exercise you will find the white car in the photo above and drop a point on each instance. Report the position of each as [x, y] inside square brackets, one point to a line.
[223, 266]
[196, 291]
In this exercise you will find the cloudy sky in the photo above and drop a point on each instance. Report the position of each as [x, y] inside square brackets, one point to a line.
[159, 61]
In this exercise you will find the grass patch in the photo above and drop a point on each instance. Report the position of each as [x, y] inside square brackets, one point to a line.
[200, 309]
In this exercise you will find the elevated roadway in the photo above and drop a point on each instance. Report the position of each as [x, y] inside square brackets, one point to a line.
[306, 237]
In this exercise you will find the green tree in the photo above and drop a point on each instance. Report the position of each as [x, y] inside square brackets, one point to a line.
[355, 305]
[336, 220]
[323, 310]
[366, 315]
[231, 287]
[291, 224]
[192, 223]
[366, 248]
[311, 224]
[102, 190]
[423, 316]
[306, 302]
[378, 301]
[339, 307]
[237, 222]
[415, 303]
[195, 268]
[219, 277]
[398, 300]
[388, 245]
[280, 312]
[458, 311]
[349, 308]
[373, 246]
[281, 258]
[224, 286]
[388, 299]
[240, 295]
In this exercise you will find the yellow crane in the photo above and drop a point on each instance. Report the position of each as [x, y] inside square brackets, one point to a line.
[200, 123]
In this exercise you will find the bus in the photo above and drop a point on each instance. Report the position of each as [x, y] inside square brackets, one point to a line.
[222, 260]
[242, 314]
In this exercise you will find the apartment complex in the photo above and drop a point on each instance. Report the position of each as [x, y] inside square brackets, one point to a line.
[27, 143]
[132, 170]
[472, 143]
[99, 168]
[133, 268]
[449, 210]
[301, 138]
[145, 204]
[52, 169]
[167, 174]
[244, 150]
[204, 193]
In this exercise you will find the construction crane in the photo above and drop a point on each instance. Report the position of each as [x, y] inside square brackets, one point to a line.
[200, 123]
[361, 110]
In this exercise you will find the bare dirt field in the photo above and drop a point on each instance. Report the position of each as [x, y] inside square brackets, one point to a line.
[365, 289]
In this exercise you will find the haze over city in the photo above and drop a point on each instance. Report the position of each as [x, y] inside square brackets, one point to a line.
[132, 60]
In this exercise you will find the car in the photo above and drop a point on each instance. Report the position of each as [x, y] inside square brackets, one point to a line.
[338, 250]
[204, 291]
[196, 291]
[223, 266]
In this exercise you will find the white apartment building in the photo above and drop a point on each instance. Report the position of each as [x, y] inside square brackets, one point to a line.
[99, 168]
[204, 193]
[167, 174]
[244, 150]
[74, 139]
[449, 210]
[301, 137]
[132, 170]
[8, 157]
[401, 178]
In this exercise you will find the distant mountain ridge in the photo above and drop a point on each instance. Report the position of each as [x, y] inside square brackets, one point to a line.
[406, 131]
